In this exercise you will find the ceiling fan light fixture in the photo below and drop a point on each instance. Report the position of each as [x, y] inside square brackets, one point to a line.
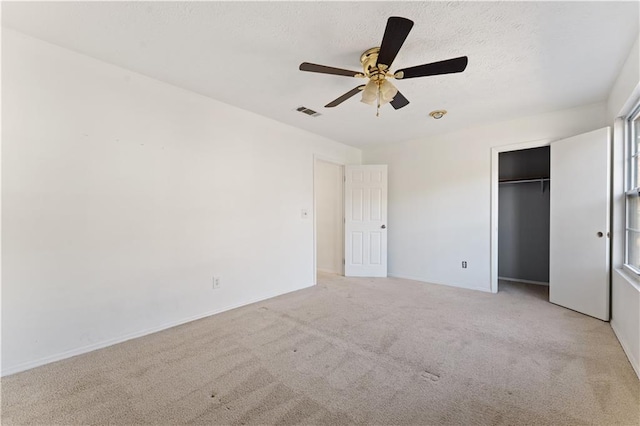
[370, 93]
[387, 92]
[378, 92]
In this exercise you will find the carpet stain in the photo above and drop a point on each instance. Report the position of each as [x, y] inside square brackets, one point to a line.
[426, 374]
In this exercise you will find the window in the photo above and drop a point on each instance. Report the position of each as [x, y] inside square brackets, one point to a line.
[632, 136]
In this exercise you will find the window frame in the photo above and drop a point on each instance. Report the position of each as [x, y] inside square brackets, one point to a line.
[632, 156]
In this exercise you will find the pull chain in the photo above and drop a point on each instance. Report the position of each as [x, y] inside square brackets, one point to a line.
[378, 109]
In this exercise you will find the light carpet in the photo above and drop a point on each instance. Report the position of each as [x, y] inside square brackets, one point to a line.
[350, 351]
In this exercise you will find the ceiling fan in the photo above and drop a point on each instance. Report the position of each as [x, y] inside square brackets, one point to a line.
[376, 63]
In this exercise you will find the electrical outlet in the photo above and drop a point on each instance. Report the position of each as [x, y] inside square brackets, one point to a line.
[216, 282]
[464, 264]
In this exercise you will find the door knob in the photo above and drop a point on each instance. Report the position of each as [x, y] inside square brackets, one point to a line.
[384, 227]
[599, 234]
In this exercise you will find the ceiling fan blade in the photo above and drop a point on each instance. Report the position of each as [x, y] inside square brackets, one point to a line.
[322, 69]
[395, 34]
[449, 66]
[399, 101]
[344, 97]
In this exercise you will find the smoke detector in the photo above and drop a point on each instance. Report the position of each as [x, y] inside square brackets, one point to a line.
[438, 114]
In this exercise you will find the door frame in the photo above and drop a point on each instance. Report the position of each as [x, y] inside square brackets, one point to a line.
[495, 157]
[341, 164]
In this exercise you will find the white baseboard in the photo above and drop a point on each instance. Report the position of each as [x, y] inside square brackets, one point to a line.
[110, 342]
[634, 362]
[422, 280]
[517, 280]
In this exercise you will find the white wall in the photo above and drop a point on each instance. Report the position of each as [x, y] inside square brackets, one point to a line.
[625, 288]
[439, 194]
[122, 196]
[329, 214]
[626, 87]
[625, 315]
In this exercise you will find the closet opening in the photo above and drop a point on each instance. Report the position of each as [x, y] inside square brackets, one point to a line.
[524, 188]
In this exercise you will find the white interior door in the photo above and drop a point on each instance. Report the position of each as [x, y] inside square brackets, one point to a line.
[365, 221]
[579, 242]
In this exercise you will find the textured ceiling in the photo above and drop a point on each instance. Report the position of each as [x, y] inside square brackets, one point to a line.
[524, 57]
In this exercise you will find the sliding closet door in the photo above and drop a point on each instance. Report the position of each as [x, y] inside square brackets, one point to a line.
[579, 243]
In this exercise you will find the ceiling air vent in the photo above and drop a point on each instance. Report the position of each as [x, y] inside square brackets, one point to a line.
[308, 111]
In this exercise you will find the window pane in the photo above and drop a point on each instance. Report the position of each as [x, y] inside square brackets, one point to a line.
[633, 249]
[634, 180]
[636, 135]
[636, 163]
[633, 212]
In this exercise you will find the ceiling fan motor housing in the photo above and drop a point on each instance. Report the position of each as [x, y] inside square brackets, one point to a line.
[372, 70]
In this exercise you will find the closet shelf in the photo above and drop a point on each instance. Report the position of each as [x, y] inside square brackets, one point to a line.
[524, 180]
